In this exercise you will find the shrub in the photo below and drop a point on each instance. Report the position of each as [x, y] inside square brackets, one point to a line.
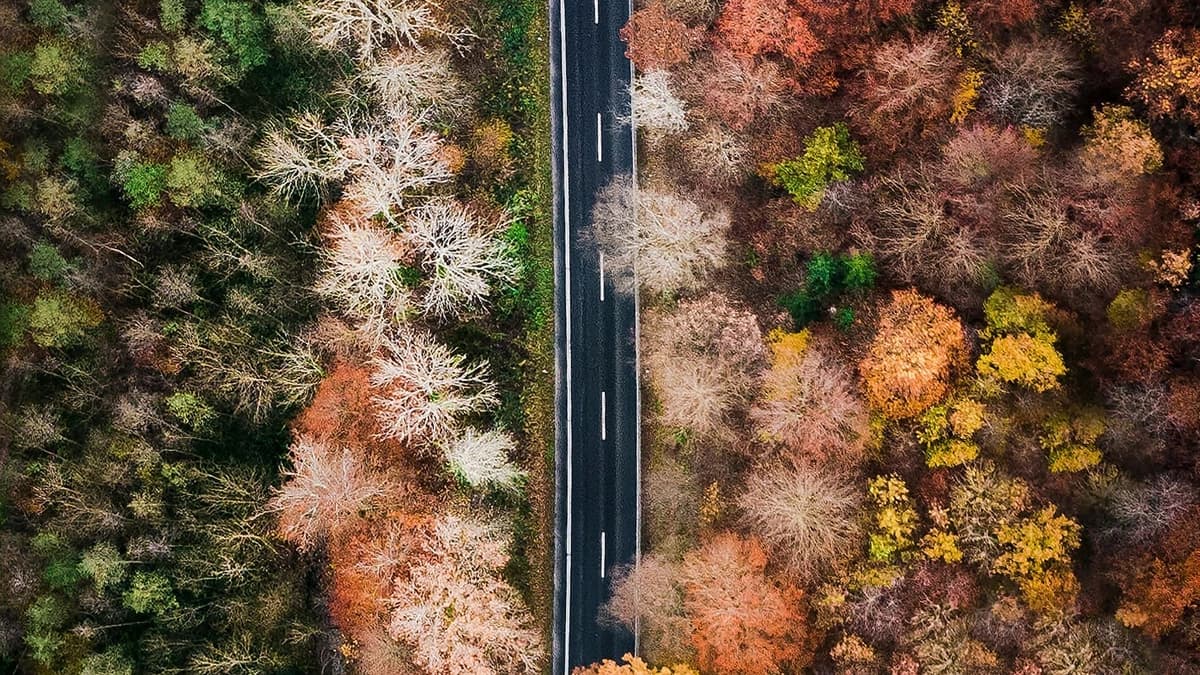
[192, 181]
[830, 155]
[917, 349]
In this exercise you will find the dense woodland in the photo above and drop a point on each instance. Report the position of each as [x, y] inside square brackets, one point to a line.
[274, 316]
[921, 336]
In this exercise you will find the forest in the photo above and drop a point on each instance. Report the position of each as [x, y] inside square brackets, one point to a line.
[275, 306]
[920, 337]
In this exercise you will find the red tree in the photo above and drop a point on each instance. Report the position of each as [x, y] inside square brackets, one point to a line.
[742, 622]
[657, 40]
[753, 28]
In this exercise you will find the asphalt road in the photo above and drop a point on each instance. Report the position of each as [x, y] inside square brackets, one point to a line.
[597, 451]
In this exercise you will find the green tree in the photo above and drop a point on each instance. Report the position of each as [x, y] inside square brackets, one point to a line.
[48, 14]
[55, 68]
[103, 564]
[183, 123]
[150, 593]
[46, 263]
[144, 184]
[830, 155]
[240, 29]
[59, 320]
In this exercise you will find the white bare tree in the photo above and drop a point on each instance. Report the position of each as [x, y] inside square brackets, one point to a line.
[407, 79]
[322, 489]
[463, 259]
[455, 610]
[718, 155]
[387, 160]
[670, 241]
[362, 27]
[656, 108]
[297, 157]
[481, 459]
[361, 269]
[426, 388]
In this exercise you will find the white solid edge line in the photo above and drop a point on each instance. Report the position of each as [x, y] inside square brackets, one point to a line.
[599, 139]
[601, 276]
[566, 186]
[603, 415]
[637, 374]
[602, 552]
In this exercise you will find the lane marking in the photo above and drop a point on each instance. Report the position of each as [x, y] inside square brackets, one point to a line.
[602, 554]
[601, 276]
[566, 186]
[603, 416]
[596, 10]
[599, 137]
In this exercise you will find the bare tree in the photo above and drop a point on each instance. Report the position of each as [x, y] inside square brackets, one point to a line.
[656, 108]
[323, 488]
[455, 610]
[1034, 84]
[717, 155]
[360, 268]
[363, 27]
[425, 388]
[810, 405]
[405, 80]
[386, 161]
[702, 359]
[482, 459]
[807, 515]
[462, 258]
[908, 80]
[913, 227]
[296, 157]
[670, 242]
[649, 595]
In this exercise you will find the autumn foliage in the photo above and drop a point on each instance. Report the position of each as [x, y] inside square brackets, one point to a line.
[918, 347]
[742, 621]
[753, 28]
[658, 40]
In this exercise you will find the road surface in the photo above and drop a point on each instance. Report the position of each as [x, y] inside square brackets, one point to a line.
[597, 399]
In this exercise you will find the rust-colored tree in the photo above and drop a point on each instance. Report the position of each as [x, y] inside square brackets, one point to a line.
[1160, 585]
[753, 28]
[917, 349]
[742, 622]
[658, 40]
